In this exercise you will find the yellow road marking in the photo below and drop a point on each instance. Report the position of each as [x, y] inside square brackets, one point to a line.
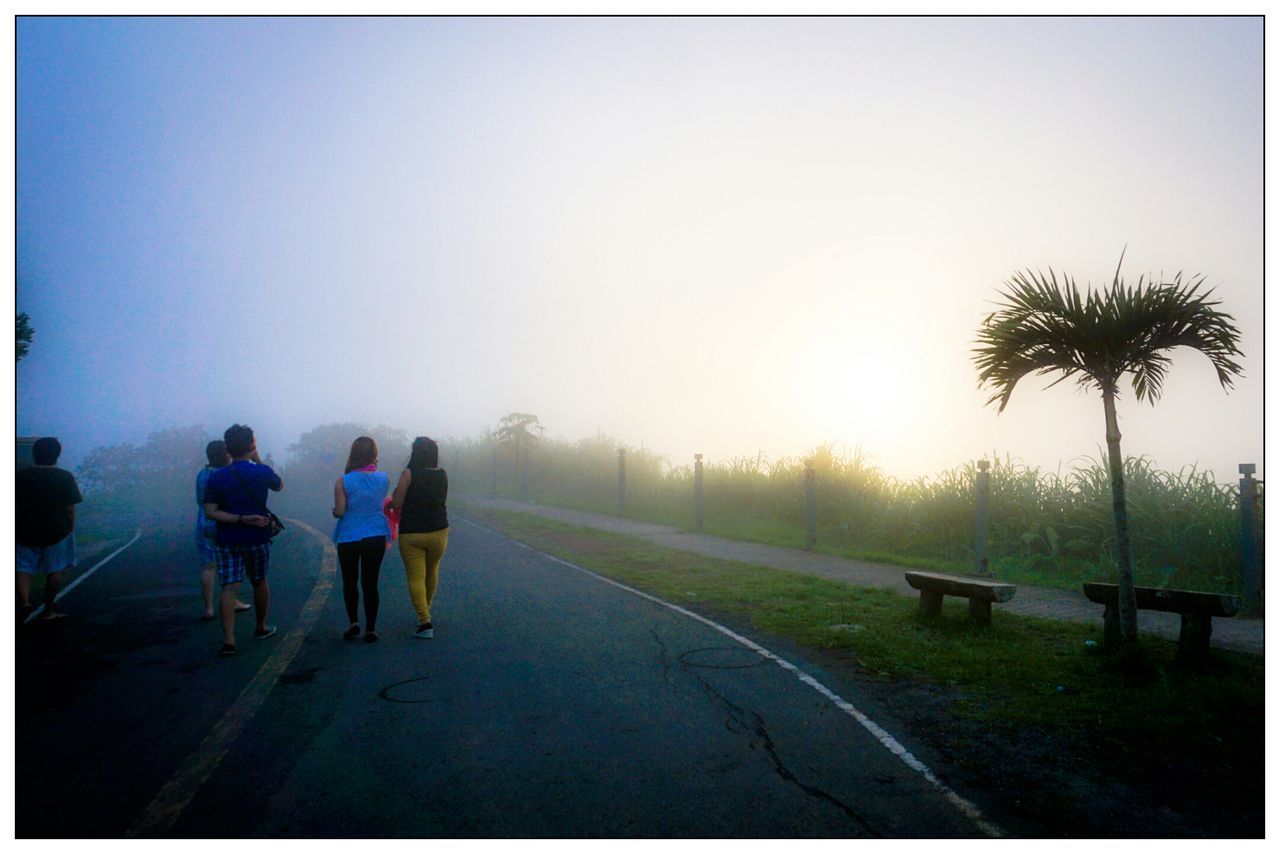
[176, 794]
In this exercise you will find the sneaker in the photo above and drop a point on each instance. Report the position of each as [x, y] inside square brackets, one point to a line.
[227, 649]
[425, 631]
[370, 637]
[264, 633]
[352, 632]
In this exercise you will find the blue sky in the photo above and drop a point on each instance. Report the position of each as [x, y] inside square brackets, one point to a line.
[712, 235]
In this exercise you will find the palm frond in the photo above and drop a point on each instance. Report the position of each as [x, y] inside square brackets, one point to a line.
[1043, 326]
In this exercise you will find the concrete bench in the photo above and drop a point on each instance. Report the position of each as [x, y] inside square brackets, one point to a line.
[980, 593]
[1197, 610]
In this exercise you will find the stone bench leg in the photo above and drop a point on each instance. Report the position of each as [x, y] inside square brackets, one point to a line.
[980, 611]
[1193, 640]
[1111, 628]
[930, 603]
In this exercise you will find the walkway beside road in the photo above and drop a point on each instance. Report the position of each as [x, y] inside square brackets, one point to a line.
[1234, 634]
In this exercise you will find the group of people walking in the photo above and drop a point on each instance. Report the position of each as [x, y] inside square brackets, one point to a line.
[234, 530]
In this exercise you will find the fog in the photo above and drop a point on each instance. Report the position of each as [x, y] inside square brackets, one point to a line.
[723, 236]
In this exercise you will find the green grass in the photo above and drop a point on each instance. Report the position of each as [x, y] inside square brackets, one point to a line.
[1019, 671]
[1046, 528]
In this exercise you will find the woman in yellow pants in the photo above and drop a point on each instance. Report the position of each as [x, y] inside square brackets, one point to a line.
[424, 527]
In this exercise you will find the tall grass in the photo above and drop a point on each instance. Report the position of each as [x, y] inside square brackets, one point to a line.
[1050, 528]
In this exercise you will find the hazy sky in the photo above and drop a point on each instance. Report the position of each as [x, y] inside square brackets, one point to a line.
[712, 235]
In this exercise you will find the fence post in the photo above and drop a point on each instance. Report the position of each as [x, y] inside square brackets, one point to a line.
[982, 515]
[522, 462]
[810, 506]
[1249, 538]
[622, 480]
[493, 471]
[697, 492]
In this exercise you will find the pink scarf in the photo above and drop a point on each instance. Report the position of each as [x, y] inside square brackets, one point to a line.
[393, 518]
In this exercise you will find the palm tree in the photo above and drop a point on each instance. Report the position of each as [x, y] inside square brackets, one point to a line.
[24, 334]
[1043, 327]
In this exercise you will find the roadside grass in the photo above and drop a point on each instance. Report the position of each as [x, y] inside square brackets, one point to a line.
[1049, 528]
[1060, 573]
[1018, 672]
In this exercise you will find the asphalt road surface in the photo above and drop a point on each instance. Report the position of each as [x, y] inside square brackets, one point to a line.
[550, 704]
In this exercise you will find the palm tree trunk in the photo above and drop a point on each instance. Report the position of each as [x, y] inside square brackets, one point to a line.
[1128, 601]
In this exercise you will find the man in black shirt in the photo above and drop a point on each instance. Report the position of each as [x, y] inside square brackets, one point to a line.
[45, 502]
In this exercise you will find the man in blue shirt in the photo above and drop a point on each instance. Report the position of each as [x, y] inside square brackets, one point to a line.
[236, 498]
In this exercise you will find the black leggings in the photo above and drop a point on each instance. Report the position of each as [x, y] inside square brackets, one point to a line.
[351, 556]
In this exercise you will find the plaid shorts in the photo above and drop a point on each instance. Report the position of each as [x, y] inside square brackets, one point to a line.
[235, 562]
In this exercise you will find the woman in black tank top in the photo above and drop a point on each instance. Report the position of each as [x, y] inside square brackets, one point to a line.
[420, 497]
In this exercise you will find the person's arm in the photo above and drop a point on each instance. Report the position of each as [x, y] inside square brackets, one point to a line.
[211, 511]
[402, 489]
[339, 500]
[71, 515]
[279, 484]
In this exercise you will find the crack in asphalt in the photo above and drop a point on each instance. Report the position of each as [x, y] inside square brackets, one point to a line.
[737, 721]
[663, 658]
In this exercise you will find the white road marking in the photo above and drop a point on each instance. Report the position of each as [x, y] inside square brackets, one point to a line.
[72, 586]
[966, 807]
[176, 794]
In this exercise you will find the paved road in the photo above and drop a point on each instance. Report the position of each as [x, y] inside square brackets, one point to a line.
[551, 704]
[1235, 634]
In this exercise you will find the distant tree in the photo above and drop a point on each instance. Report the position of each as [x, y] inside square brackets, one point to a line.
[517, 428]
[516, 431]
[1047, 328]
[25, 334]
[317, 459]
[155, 477]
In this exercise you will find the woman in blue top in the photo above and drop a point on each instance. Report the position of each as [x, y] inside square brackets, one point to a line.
[362, 533]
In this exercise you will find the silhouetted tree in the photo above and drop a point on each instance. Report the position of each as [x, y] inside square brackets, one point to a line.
[1046, 328]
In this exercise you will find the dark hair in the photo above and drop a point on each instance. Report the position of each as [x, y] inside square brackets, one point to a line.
[364, 452]
[239, 438]
[216, 453]
[425, 454]
[46, 451]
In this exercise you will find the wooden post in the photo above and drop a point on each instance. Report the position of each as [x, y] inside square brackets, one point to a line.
[810, 506]
[1252, 566]
[982, 513]
[622, 480]
[697, 492]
